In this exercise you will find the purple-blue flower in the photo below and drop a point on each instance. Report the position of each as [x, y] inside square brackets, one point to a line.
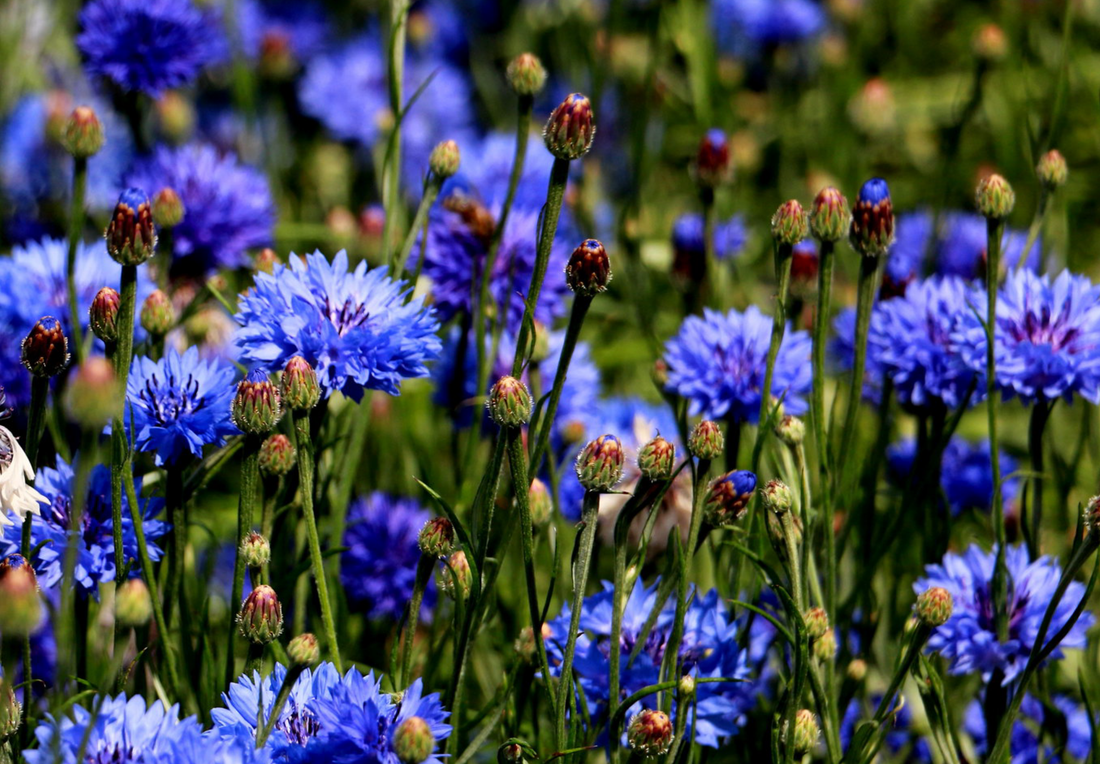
[1046, 340]
[148, 45]
[961, 248]
[744, 28]
[966, 474]
[717, 363]
[913, 342]
[179, 404]
[1024, 745]
[355, 327]
[687, 236]
[968, 640]
[277, 27]
[228, 207]
[378, 566]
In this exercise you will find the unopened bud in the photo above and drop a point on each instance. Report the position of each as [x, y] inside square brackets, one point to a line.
[806, 731]
[569, 131]
[303, 650]
[509, 403]
[706, 440]
[21, 611]
[133, 605]
[277, 455]
[83, 136]
[995, 197]
[600, 465]
[457, 576]
[871, 233]
[266, 260]
[437, 537]
[413, 741]
[526, 75]
[817, 622]
[255, 550]
[444, 160]
[824, 647]
[157, 314]
[1052, 170]
[777, 497]
[588, 271]
[45, 349]
[657, 459]
[257, 406]
[712, 161]
[789, 223]
[261, 616]
[857, 670]
[168, 209]
[728, 497]
[93, 395]
[103, 315]
[300, 389]
[539, 503]
[131, 236]
[934, 606]
[990, 43]
[791, 430]
[650, 733]
[830, 215]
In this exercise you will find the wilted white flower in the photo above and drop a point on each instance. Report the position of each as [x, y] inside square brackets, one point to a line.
[16, 497]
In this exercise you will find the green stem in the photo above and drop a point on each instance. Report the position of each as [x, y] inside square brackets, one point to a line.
[783, 258]
[1034, 229]
[865, 301]
[827, 257]
[173, 495]
[305, 479]
[423, 574]
[68, 639]
[356, 444]
[391, 173]
[254, 661]
[431, 191]
[250, 477]
[826, 710]
[555, 193]
[994, 229]
[120, 454]
[267, 726]
[1040, 414]
[76, 227]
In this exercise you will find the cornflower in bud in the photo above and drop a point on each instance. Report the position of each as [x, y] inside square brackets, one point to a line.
[509, 402]
[777, 497]
[133, 604]
[1052, 170]
[93, 395]
[261, 616]
[990, 43]
[871, 232]
[728, 497]
[413, 741]
[103, 314]
[45, 349]
[526, 75]
[437, 537]
[300, 388]
[686, 686]
[444, 160]
[857, 670]
[600, 465]
[824, 647]
[539, 503]
[83, 136]
[456, 578]
[1092, 515]
[257, 406]
[157, 314]
[255, 550]
[706, 440]
[791, 430]
[995, 197]
[789, 223]
[266, 260]
[131, 236]
[650, 733]
[588, 271]
[657, 459]
[830, 215]
[817, 622]
[712, 162]
[11, 710]
[21, 611]
[806, 731]
[934, 606]
[569, 131]
[277, 455]
[168, 209]
[303, 650]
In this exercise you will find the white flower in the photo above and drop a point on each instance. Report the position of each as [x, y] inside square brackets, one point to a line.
[16, 496]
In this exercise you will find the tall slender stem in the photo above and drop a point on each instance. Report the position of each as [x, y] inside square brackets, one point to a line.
[265, 728]
[783, 257]
[173, 495]
[1040, 413]
[865, 301]
[994, 229]
[420, 221]
[305, 480]
[424, 569]
[250, 478]
[391, 173]
[76, 228]
[122, 356]
[827, 256]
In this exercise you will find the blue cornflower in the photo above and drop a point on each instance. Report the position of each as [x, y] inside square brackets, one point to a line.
[378, 567]
[148, 45]
[687, 237]
[122, 730]
[966, 474]
[913, 343]
[900, 738]
[273, 28]
[1024, 745]
[486, 171]
[969, 638]
[34, 168]
[179, 404]
[961, 248]
[710, 648]
[905, 261]
[747, 27]
[228, 205]
[717, 363]
[95, 561]
[353, 326]
[1047, 338]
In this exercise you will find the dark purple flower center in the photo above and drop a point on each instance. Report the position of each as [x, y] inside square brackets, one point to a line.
[1017, 606]
[112, 754]
[173, 400]
[1042, 327]
[299, 726]
[346, 317]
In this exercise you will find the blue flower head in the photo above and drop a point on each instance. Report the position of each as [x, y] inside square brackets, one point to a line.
[1046, 338]
[228, 205]
[913, 343]
[873, 192]
[275, 27]
[179, 404]
[966, 474]
[378, 567]
[1024, 747]
[961, 248]
[717, 363]
[968, 640]
[906, 259]
[148, 45]
[95, 562]
[354, 327]
[745, 28]
[687, 237]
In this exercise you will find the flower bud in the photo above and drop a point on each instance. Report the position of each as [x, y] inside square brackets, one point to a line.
[650, 733]
[168, 209]
[588, 271]
[791, 430]
[444, 160]
[540, 349]
[1052, 170]
[995, 197]
[600, 465]
[806, 731]
[657, 459]
[257, 406]
[706, 440]
[990, 43]
[1092, 515]
[728, 497]
[817, 622]
[830, 215]
[457, 578]
[509, 403]
[255, 550]
[871, 233]
[437, 537]
[93, 395]
[413, 741]
[539, 503]
[824, 647]
[300, 389]
[261, 616]
[789, 223]
[131, 237]
[777, 497]
[526, 75]
[103, 315]
[266, 260]
[45, 349]
[83, 136]
[303, 650]
[133, 605]
[277, 455]
[686, 687]
[934, 606]
[857, 670]
[712, 162]
[11, 710]
[569, 131]
[21, 611]
[157, 314]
